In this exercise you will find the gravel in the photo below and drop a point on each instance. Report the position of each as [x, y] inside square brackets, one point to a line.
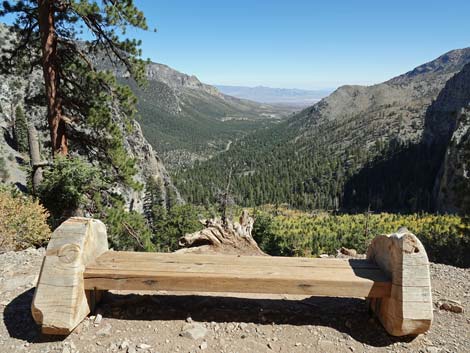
[181, 322]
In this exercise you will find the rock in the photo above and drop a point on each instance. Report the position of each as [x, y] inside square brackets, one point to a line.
[143, 346]
[203, 345]
[193, 331]
[450, 305]
[432, 349]
[98, 319]
[323, 256]
[243, 325]
[131, 349]
[124, 345]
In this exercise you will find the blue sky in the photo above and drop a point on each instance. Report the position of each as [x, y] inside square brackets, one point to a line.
[302, 43]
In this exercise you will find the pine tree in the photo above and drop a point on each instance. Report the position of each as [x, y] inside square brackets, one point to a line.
[54, 35]
[21, 130]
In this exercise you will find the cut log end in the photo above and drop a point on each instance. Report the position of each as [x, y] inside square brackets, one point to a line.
[60, 301]
[408, 311]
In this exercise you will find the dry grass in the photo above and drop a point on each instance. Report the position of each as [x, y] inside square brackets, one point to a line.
[23, 222]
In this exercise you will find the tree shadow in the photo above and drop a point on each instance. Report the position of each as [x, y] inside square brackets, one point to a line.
[351, 316]
[9, 138]
[401, 180]
[347, 315]
[19, 322]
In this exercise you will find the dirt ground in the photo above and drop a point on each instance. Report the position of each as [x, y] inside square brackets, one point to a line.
[165, 322]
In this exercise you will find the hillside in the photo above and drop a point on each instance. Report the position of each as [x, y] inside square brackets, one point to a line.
[359, 147]
[186, 120]
[25, 91]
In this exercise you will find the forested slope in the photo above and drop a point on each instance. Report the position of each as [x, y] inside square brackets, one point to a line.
[360, 147]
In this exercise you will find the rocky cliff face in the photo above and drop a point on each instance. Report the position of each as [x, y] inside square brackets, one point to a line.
[448, 124]
[149, 165]
[176, 79]
[16, 90]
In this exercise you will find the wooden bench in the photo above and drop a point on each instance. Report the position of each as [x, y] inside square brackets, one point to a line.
[78, 266]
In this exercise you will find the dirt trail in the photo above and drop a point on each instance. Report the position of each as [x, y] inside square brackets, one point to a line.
[162, 322]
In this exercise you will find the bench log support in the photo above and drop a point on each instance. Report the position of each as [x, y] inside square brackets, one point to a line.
[60, 302]
[408, 311]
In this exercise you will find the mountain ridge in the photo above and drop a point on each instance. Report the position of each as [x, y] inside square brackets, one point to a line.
[186, 120]
[316, 152]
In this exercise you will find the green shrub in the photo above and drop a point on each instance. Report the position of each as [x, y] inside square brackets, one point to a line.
[21, 130]
[127, 230]
[69, 185]
[264, 234]
[170, 225]
[294, 233]
[23, 221]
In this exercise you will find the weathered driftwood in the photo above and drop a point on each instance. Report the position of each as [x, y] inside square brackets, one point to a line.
[60, 302]
[408, 310]
[395, 276]
[231, 238]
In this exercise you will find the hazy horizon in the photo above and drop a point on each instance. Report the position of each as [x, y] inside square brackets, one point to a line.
[301, 44]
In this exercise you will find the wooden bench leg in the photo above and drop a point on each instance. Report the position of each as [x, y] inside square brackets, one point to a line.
[60, 302]
[408, 311]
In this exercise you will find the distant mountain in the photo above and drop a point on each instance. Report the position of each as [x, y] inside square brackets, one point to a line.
[360, 147]
[186, 120]
[287, 96]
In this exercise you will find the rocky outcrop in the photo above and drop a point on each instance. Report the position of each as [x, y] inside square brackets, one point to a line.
[176, 79]
[453, 193]
[149, 166]
[16, 90]
[446, 129]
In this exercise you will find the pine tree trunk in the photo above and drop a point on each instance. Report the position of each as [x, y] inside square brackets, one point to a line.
[46, 9]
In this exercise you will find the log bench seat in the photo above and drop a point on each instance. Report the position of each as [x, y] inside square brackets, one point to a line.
[239, 274]
[78, 266]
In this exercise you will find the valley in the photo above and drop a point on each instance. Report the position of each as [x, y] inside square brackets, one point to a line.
[379, 147]
[187, 121]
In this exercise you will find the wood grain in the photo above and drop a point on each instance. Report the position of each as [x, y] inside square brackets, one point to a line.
[242, 274]
[60, 302]
[408, 311]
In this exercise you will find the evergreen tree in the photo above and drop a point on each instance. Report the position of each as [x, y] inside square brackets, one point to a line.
[21, 130]
[55, 36]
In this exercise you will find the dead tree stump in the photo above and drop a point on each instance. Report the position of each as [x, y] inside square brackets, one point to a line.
[228, 238]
